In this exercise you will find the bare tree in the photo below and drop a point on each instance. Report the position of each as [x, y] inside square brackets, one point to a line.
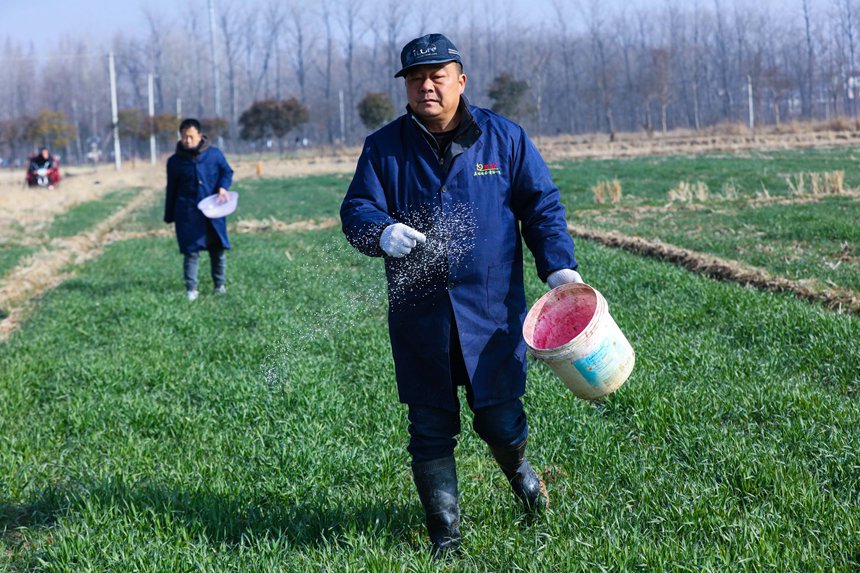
[231, 23]
[808, 85]
[602, 73]
[157, 28]
[396, 12]
[272, 23]
[300, 44]
[569, 70]
[723, 60]
[350, 11]
[849, 73]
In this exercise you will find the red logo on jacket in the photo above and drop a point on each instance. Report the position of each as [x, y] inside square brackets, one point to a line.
[488, 169]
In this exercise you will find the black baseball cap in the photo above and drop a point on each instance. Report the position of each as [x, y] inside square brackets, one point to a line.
[429, 49]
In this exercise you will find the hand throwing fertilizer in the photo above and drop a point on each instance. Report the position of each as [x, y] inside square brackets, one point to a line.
[570, 329]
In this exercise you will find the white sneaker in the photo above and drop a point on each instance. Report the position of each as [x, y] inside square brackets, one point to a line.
[192, 294]
[221, 290]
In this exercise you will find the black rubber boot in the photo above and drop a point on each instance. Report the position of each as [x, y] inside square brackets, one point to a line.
[436, 481]
[525, 483]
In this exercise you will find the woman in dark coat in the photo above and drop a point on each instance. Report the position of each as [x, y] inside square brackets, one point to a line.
[195, 171]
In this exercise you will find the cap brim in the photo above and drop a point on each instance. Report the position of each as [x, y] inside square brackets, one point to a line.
[403, 71]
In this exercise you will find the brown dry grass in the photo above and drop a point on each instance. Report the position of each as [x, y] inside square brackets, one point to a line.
[607, 191]
[722, 138]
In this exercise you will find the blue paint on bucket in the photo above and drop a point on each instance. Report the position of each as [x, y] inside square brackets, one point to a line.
[591, 367]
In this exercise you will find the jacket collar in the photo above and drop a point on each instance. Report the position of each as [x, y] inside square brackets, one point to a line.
[468, 130]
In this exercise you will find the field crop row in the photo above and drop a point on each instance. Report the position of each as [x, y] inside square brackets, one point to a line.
[20, 242]
[260, 431]
[648, 180]
[805, 238]
[818, 240]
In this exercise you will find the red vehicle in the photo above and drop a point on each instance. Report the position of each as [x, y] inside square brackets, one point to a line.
[43, 170]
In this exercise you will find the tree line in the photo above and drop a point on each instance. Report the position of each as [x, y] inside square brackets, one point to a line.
[590, 66]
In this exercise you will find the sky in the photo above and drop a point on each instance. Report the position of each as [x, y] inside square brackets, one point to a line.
[99, 20]
[26, 21]
[44, 22]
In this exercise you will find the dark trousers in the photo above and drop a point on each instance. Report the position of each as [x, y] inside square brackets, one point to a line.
[433, 431]
[218, 261]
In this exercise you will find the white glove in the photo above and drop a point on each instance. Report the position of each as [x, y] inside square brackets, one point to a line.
[563, 276]
[398, 240]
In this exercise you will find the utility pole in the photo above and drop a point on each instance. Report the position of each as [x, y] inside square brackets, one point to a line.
[342, 119]
[215, 78]
[151, 119]
[117, 151]
[750, 94]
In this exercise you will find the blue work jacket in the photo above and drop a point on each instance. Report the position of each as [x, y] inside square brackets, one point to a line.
[474, 209]
[190, 178]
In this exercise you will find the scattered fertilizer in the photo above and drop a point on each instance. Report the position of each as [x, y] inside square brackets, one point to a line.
[451, 235]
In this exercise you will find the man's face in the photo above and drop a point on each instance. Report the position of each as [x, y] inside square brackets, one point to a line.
[44, 153]
[433, 92]
[190, 138]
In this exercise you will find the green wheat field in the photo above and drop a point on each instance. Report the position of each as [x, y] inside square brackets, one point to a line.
[261, 431]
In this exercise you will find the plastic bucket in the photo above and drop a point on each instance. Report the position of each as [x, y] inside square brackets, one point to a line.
[570, 329]
[215, 210]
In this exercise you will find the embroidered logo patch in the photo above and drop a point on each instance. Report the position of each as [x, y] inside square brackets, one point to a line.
[488, 169]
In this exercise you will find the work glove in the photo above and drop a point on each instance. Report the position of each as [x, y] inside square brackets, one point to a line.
[563, 276]
[398, 240]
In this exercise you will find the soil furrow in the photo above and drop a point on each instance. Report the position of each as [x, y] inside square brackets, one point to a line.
[838, 299]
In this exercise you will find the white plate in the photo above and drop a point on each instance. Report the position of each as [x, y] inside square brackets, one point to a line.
[215, 210]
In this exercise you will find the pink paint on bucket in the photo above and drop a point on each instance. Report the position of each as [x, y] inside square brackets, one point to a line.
[571, 331]
[564, 319]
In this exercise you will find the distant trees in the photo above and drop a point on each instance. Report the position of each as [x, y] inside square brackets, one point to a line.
[215, 127]
[271, 118]
[375, 109]
[12, 135]
[508, 95]
[50, 129]
[592, 67]
[136, 127]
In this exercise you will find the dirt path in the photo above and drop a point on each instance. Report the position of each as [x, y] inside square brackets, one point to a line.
[838, 299]
[55, 263]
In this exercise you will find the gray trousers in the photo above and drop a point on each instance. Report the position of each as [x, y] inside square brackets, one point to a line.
[218, 261]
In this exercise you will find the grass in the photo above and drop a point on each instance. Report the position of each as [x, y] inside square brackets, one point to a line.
[79, 218]
[288, 200]
[799, 241]
[86, 215]
[647, 180]
[11, 254]
[815, 240]
[261, 431]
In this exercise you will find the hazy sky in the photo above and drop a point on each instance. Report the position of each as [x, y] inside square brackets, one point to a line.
[43, 21]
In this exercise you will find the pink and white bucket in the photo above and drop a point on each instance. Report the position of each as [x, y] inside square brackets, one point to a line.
[570, 329]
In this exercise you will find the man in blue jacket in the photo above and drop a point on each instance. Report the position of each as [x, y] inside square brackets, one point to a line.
[445, 193]
[195, 171]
